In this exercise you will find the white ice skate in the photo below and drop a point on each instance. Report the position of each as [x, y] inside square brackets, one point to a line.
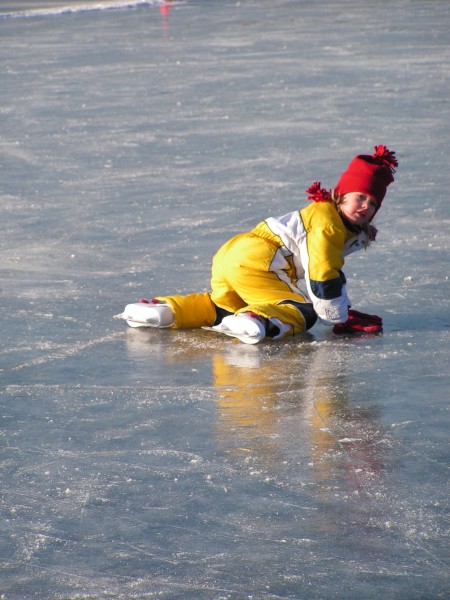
[246, 327]
[143, 314]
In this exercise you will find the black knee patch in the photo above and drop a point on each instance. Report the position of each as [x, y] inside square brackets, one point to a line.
[306, 309]
[271, 329]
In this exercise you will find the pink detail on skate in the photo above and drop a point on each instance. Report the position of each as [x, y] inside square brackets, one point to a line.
[254, 316]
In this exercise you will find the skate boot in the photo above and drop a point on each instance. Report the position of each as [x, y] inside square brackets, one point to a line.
[148, 314]
[246, 327]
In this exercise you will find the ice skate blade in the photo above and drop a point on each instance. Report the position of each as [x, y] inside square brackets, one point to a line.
[132, 322]
[243, 338]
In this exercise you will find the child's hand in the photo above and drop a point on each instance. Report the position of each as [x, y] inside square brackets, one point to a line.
[365, 316]
[359, 322]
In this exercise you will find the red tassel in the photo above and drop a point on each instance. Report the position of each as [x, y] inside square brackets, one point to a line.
[318, 194]
[386, 158]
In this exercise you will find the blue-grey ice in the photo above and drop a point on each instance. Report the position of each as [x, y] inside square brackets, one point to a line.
[136, 137]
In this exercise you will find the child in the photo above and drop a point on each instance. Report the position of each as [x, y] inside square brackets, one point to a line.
[255, 275]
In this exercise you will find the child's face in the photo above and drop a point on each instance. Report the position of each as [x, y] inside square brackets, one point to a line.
[358, 208]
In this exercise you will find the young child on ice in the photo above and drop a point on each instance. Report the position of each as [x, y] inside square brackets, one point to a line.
[255, 275]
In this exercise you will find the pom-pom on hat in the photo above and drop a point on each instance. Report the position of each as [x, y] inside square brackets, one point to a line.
[317, 193]
[369, 174]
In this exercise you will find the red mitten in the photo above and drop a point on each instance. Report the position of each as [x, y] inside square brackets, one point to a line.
[365, 316]
[359, 323]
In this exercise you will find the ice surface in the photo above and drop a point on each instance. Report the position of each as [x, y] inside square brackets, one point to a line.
[160, 464]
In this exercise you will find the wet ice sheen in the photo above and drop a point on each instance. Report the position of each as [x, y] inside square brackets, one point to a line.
[177, 464]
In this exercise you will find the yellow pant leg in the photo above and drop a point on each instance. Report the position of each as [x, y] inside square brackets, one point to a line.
[224, 294]
[242, 280]
[193, 310]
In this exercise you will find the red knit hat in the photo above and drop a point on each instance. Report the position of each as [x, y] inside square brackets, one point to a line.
[369, 174]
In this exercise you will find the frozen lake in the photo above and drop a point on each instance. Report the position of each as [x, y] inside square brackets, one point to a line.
[136, 138]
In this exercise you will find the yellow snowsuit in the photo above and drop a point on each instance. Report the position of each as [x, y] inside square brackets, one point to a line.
[259, 271]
